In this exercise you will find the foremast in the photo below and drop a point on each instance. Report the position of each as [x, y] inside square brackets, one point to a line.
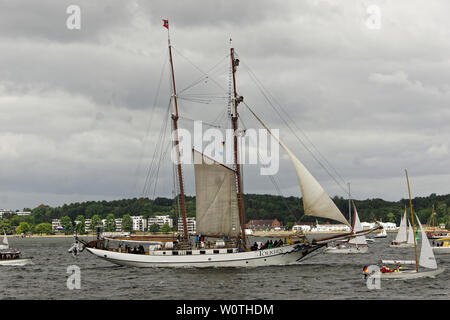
[176, 139]
[234, 121]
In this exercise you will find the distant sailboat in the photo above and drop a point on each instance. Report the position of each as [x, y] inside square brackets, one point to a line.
[10, 256]
[5, 243]
[381, 234]
[355, 245]
[426, 260]
[402, 240]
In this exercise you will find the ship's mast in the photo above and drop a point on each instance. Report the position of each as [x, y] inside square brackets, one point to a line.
[176, 142]
[234, 121]
[412, 220]
[349, 205]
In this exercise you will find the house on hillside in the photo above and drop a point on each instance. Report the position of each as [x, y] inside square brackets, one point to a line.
[267, 225]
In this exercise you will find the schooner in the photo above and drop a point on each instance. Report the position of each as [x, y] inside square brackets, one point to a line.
[220, 213]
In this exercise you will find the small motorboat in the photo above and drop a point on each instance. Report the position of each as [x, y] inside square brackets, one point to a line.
[441, 246]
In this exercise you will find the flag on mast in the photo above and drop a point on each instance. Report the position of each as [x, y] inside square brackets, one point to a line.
[166, 23]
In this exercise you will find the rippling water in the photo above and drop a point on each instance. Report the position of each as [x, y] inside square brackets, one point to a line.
[320, 277]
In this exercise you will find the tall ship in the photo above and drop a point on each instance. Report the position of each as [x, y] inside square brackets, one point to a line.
[220, 216]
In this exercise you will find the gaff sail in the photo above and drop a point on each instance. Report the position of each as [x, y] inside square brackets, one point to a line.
[361, 240]
[217, 210]
[316, 201]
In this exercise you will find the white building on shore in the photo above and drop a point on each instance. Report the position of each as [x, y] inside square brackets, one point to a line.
[87, 225]
[191, 225]
[160, 221]
[139, 223]
[388, 226]
[330, 228]
[301, 227]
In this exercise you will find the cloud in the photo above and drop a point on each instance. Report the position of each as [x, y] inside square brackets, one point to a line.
[82, 109]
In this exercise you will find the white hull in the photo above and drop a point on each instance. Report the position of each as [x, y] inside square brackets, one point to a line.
[441, 250]
[274, 256]
[15, 262]
[402, 245]
[411, 274]
[380, 236]
[347, 250]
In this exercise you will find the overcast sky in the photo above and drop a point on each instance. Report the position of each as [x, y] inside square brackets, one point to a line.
[81, 110]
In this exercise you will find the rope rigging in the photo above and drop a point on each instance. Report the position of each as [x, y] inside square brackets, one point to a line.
[266, 95]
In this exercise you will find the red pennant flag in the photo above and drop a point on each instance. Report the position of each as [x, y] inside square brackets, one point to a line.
[166, 23]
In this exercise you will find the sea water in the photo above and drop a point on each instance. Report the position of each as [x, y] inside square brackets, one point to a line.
[322, 276]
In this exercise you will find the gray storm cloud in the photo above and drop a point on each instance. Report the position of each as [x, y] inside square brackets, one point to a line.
[80, 117]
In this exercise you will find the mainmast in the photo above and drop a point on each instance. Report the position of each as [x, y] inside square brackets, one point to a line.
[412, 221]
[176, 140]
[234, 121]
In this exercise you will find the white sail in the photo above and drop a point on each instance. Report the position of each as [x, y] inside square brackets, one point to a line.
[427, 259]
[401, 235]
[216, 198]
[410, 234]
[316, 201]
[357, 227]
[5, 244]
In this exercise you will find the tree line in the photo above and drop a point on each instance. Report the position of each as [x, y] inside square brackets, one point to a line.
[288, 210]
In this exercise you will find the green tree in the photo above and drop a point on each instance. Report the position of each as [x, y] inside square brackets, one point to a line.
[165, 228]
[43, 228]
[80, 226]
[127, 223]
[390, 217]
[5, 226]
[154, 228]
[24, 227]
[66, 223]
[94, 209]
[289, 226]
[39, 214]
[110, 224]
[96, 221]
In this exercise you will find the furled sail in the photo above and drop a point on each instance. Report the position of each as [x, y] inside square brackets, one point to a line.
[5, 244]
[410, 234]
[217, 210]
[427, 259]
[316, 201]
[356, 228]
[401, 235]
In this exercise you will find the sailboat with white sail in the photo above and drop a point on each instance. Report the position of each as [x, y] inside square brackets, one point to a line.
[426, 260]
[220, 210]
[355, 245]
[405, 235]
[381, 234]
[10, 256]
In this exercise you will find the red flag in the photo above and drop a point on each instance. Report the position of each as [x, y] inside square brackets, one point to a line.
[166, 23]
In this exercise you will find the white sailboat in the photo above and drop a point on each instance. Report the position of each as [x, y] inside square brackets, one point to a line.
[220, 212]
[381, 234]
[427, 260]
[402, 240]
[355, 245]
[10, 256]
